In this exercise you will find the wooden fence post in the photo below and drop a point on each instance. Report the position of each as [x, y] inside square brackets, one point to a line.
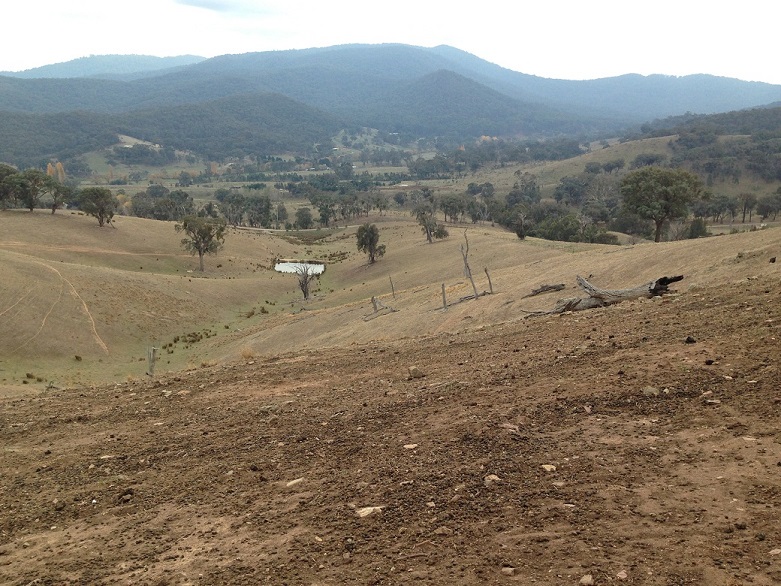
[151, 357]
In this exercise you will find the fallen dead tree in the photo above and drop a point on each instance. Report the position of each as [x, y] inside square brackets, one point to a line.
[602, 297]
[544, 289]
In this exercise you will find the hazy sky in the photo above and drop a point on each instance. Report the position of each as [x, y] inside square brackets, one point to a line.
[568, 39]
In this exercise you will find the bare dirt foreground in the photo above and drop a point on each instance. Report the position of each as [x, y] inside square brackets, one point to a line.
[636, 444]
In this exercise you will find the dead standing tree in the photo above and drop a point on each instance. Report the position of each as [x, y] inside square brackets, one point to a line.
[603, 297]
[468, 275]
[306, 273]
[467, 270]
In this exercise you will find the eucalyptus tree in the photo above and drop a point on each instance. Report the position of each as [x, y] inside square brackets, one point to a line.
[368, 238]
[660, 194]
[202, 235]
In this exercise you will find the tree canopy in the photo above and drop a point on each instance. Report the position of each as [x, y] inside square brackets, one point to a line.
[99, 203]
[29, 186]
[660, 194]
[425, 214]
[368, 237]
[202, 235]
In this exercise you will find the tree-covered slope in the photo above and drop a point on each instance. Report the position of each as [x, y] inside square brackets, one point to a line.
[234, 126]
[415, 91]
[444, 103]
[34, 139]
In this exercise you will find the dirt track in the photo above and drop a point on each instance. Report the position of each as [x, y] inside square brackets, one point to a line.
[667, 459]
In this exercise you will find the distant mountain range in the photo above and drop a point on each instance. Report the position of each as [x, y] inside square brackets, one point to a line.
[124, 67]
[263, 103]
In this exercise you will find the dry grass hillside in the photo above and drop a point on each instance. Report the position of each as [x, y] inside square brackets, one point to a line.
[632, 444]
[81, 303]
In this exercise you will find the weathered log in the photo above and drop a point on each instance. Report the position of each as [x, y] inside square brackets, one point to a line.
[603, 297]
[610, 296]
[544, 289]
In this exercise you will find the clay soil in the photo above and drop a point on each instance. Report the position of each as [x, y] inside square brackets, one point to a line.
[635, 444]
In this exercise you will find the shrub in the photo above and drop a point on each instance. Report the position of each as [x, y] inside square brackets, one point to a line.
[698, 228]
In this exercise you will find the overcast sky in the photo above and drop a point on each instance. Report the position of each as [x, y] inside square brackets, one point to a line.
[567, 39]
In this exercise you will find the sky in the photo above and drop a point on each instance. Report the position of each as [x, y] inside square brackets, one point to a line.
[563, 39]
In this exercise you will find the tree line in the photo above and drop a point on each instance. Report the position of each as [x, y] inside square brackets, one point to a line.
[643, 198]
[640, 199]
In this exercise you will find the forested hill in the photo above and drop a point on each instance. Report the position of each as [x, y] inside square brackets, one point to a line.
[233, 126]
[753, 121]
[324, 77]
[724, 146]
[414, 91]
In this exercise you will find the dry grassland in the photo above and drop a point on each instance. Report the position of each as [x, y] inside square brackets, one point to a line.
[81, 303]
[632, 444]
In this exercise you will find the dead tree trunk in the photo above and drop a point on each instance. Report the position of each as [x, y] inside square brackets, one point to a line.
[467, 270]
[603, 297]
[379, 309]
[490, 284]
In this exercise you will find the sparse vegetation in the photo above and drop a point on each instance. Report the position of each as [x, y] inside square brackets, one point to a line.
[587, 208]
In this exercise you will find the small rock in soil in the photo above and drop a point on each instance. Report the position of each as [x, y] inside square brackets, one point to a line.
[490, 479]
[366, 511]
[415, 372]
[651, 392]
[587, 580]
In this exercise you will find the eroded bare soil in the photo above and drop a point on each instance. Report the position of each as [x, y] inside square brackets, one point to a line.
[338, 467]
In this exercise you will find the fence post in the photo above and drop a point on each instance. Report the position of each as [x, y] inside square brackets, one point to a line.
[151, 357]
